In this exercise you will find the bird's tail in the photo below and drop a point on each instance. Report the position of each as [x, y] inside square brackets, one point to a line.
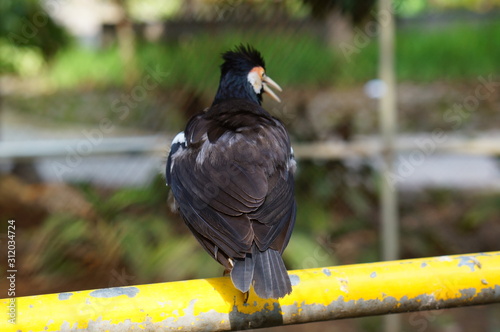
[265, 270]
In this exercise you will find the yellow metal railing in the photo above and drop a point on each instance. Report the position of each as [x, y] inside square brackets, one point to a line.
[318, 294]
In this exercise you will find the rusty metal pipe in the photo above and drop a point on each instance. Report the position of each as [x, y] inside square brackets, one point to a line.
[318, 294]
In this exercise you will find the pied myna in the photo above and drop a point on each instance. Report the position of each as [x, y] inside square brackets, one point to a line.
[231, 175]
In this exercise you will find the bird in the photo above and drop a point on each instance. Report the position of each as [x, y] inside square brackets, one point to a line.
[231, 173]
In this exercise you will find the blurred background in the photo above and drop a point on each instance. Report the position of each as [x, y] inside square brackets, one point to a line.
[92, 92]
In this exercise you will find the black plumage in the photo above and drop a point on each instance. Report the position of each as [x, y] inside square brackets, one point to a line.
[231, 174]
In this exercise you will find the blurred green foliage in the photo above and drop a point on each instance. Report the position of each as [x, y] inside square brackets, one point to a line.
[185, 67]
[129, 229]
[423, 55]
[451, 53]
[28, 37]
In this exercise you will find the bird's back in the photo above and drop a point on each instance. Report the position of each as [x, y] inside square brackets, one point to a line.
[234, 185]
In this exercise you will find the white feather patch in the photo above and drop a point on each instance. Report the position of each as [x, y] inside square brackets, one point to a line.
[179, 138]
[255, 80]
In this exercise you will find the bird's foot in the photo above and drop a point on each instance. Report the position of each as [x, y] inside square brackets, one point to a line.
[245, 296]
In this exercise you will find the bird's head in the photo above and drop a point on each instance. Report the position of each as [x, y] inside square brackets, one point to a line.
[243, 76]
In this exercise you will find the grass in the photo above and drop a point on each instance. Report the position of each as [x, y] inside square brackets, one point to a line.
[194, 64]
[454, 52]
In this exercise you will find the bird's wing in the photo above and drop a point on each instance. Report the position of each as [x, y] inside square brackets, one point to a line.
[275, 219]
[214, 201]
[235, 189]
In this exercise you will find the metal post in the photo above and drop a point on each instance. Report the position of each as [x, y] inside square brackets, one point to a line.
[390, 247]
[215, 305]
[389, 202]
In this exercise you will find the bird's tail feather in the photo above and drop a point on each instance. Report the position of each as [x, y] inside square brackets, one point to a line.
[270, 277]
[267, 272]
[242, 273]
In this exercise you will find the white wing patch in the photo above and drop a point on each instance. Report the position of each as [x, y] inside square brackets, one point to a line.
[178, 145]
[179, 138]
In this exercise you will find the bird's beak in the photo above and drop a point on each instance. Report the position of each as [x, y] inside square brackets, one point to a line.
[267, 84]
